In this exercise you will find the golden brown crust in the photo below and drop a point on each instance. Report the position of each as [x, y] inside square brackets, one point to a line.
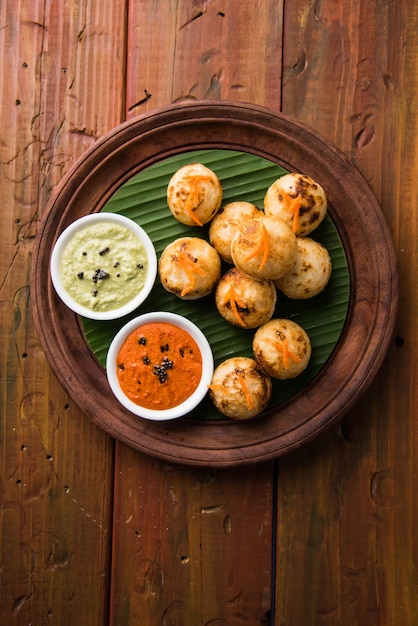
[226, 223]
[302, 216]
[244, 301]
[264, 247]
[310, 273]
[240, 388]
[194, 194]
[282, 348]
[190, 268]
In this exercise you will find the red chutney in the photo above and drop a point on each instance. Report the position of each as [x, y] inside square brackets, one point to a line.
[159, 366]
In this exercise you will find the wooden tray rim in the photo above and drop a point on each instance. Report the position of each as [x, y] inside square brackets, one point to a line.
[140, 142]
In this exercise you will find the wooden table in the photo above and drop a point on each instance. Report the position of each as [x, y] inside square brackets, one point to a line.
[93, 532]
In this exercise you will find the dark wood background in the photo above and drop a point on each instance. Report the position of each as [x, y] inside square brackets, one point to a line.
[94, 533]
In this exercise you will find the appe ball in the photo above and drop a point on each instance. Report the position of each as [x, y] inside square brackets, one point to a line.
[298, 200]
[244, 301]
[225, 225]
[240, 388]
[264, 247]
[310, 273]
[190, 268]
[194, 194]
[282, 348]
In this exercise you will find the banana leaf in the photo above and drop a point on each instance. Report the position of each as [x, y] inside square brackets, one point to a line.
[243, 177]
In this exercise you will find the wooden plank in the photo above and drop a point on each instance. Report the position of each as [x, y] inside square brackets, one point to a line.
[347, 505]
[188, 50]
[198, 542]
[189, 546]
[62, 68]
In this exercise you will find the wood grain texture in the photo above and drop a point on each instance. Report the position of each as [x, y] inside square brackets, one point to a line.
[345, 540]
[203, 50]
[208, 578]
[56, 467]
[183, 541]
[352, 76]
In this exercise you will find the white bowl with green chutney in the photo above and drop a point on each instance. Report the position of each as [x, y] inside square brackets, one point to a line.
[103, 266]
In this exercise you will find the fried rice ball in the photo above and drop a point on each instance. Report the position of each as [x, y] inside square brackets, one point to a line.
[190, 268]
[298, 200]
[240, 388]
[310, 273]
[264, 247]
[282, 348]
[244, 301]
[194, 194]
[225, 224]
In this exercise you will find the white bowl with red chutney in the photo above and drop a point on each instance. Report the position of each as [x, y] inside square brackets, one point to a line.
[159, 366]
[103, 266]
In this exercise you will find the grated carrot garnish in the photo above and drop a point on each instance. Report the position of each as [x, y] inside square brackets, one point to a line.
[295, 209]
[287, 198]
[193, 197]
[293, 205]
[190, 269]
[231, 297]
[216, 387]
[190, 203]
[262, 246]
[244, 387]
[287, 354]
[185, 291]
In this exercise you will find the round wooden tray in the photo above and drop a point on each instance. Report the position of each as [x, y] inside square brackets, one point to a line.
[146, 140]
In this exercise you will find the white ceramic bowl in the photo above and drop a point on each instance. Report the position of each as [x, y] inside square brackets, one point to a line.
[207, 366]
[64, 239]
